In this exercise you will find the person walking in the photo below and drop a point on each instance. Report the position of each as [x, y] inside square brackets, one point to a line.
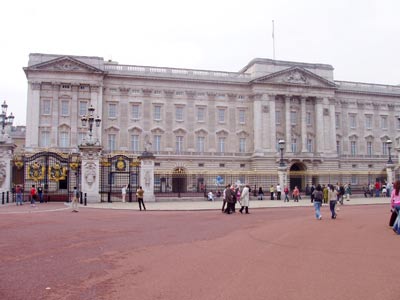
[347, 192]
[230, 191]
[18, 191]
[40, 193]
[296, 194]
[278, 192]
[318, 195]
[123, 192]
[332, 196]
[395, 203]
[139, 194]
[244, 199]
[286, 191]
[272, 191]
[33, 194]
[75, 200]
[325, 191]
[260, 193]
[224, 202]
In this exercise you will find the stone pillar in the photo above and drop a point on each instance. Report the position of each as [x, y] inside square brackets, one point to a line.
[303, 121]
[55, 114]
[6, 157]
[288, 137]
[390, 173]
[332, 115]
[282, 177]
[32, 116]
[257, 115]
[270, 131]
[319, 126]
[147, 176]
[90, 172]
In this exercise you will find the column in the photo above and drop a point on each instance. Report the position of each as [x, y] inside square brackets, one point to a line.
[303, 121]
[6, 157]
[332, 132]
[90, 172]
[32, 116]
[55, 112]
[319, 126]
[147, 176]
[390, 173]
[258, 128]
[288, 137]
[271, 129]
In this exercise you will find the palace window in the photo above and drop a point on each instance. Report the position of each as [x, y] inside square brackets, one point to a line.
[353, 148]
[135, 111]
[338, 148]
[44, 139]
[46, 107]
[179, 113]
[221, 115]
[83, 108]
[369, 148]
[81, 137]
[352, 121]
[157, 143]
[112, 110]
[368, 121]
[179, 144]
[309, 145]
[135, 143]
[308, 118]
[337, 121]
[242, 145]
[278, 117]
[112, 142]
[384, 148]
[242, 116]
[64, 139]
[221, 145]
[65, 108]
[157, 112]
[201, 112]
[200, 144]
[294, 145]
[384, 122]
[293, 117]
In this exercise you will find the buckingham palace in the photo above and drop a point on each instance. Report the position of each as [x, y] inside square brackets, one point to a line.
[244, 126]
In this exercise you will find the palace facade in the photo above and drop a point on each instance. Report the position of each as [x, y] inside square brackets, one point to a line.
[202, 121]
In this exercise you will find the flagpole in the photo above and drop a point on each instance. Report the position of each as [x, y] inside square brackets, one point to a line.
[273, 39]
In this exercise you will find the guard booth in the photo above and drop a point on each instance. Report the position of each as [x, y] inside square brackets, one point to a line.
[117, 171]
[56, 173]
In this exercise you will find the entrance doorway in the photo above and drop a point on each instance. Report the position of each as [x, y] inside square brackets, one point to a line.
[297, 176]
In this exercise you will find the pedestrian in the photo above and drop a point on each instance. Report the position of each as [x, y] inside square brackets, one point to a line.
[366, 190]
[139, 194]
[260, 193]
[33, 194]
[278, 192]
[75, 200]
[123, 192]
[272, 191]
[395, 203]
[312, 193]
[325, 190]
[224, 202]
[40, 193]
[210, 196]
[230, 191]
[332, 196]
[377, 189]
[318, 195]
[286, 191]
[18, 191]
[244, 199]
[296, 194]
[347, 192]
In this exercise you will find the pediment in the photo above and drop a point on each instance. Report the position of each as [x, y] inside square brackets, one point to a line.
[64, 64]
[296, 76]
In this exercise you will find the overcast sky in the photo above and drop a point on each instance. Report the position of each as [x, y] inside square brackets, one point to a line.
[359, 38]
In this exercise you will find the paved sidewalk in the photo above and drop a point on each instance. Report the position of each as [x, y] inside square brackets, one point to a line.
[216, 205]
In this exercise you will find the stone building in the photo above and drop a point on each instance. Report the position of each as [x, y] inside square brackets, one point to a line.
[199, 121]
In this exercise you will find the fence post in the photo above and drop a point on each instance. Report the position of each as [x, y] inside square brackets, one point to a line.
[7, 197]
[108, 197]
[81, 197]
[2, 198]
[85, 200]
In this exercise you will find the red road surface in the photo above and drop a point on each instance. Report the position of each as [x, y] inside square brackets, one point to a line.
[273, 253]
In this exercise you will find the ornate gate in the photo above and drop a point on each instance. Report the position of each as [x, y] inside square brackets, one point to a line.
[55, 173]
[116, 172]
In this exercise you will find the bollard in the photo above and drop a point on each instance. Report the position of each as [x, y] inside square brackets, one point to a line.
[85, 200]
[80, 194]
[109, 197]
[2, 198]
[7, 197]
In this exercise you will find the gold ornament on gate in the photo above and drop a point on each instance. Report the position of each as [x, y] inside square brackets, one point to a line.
[36, 171]
[57, 172]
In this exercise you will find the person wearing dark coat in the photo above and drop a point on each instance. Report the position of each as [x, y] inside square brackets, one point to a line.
[230, 200]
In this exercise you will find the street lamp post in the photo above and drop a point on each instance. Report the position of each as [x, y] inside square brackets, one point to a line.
[389, 145]
[5, 120]
[281, 148]
[90, 119]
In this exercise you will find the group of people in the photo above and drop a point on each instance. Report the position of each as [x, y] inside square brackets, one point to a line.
[378, 189]
[233, 194]
[34, 195]
[139, 195]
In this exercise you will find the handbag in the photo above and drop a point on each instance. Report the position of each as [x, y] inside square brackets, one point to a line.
[393, 217]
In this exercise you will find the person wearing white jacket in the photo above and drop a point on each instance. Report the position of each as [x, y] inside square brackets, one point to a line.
[244, 199]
